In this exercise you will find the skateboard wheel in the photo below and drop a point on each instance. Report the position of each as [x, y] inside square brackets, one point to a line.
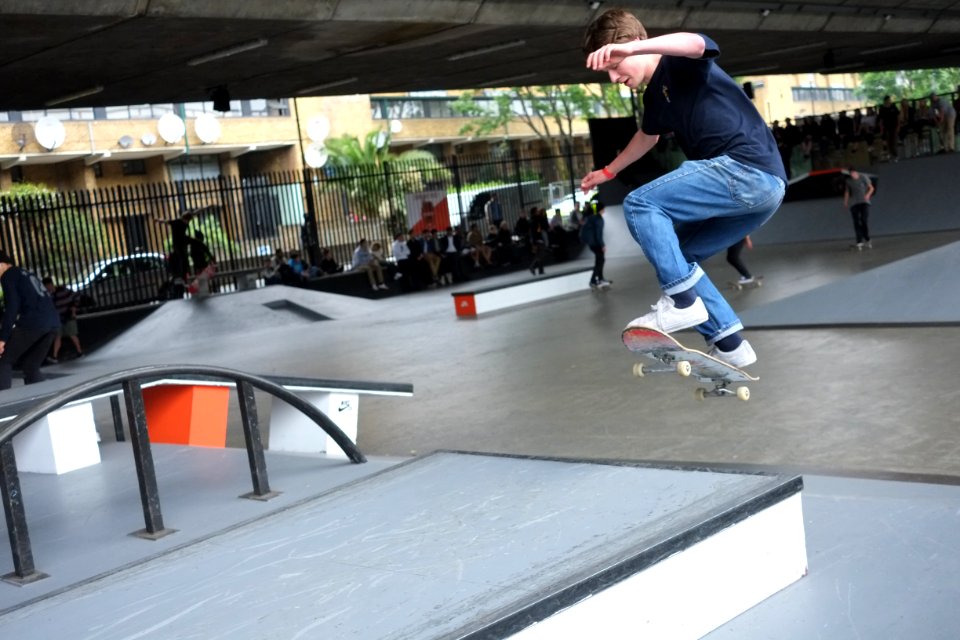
[743, 393]
[700, 393]
[638, 370]
[684, 368]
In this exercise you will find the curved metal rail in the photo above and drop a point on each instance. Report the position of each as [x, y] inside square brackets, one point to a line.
[130, 381]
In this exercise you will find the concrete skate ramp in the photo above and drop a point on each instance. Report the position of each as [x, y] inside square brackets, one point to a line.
[620, 244]
[915, 196]
[179, 323]
[922, 289]
[433, 548]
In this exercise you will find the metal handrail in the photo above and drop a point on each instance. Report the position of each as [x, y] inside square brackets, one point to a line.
[130, 381]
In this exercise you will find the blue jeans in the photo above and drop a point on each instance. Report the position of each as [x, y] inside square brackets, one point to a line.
[693, 212]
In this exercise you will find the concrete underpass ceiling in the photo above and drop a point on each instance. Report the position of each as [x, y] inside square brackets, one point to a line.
[140, 51]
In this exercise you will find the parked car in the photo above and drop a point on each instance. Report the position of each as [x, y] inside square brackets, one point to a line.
[124, 280]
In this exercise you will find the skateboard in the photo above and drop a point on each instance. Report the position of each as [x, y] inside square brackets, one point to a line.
[673, 357]
[739, 286]
[200, 286]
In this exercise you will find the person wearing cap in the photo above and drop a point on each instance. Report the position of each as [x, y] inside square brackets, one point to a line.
[29, 324]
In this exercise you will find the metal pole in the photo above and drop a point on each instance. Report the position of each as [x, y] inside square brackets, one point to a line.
[117, 418]
[313, 250]
[23, 569]
[146, 474]
[251, 433]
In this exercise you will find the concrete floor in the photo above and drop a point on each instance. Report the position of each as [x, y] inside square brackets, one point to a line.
[553, 378]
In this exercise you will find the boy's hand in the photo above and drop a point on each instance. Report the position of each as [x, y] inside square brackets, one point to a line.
[593, 179]
[609, 55]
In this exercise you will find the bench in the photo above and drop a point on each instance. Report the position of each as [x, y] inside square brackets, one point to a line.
[476, 302]
[354, 283]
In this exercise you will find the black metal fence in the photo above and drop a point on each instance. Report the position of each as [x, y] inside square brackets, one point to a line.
[112, 245]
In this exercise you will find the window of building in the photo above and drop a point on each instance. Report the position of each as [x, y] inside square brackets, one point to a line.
[134, 167]
[194, 168]
[81, 113]
[262, 107]
[16, 174]
[141, 111]
[822, 94]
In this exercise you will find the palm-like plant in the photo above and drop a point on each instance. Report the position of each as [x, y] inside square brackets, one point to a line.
[374, 179]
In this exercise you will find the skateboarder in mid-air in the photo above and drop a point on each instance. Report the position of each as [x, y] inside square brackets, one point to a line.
[732, 182]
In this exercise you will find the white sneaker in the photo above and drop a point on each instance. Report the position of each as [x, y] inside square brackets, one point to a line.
[384, 287]
[604, 284]
[746, 280]
[667, 318]
[742, 356]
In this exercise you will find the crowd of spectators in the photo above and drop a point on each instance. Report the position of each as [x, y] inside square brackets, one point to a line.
[886, 132]
[430, 258]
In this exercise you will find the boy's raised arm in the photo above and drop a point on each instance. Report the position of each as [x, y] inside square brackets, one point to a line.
[683, 45]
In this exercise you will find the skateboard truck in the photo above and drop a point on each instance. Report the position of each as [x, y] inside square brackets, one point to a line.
[669, 356]
[721, 388]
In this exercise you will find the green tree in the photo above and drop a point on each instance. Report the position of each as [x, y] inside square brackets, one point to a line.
[375, 180]
[214, 236]
[57, 236]
[548, 111]
[610, 99]
[350, 151]
[913, 83]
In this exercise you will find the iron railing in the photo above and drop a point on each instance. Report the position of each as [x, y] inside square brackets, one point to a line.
[130, 381]
[112, 245]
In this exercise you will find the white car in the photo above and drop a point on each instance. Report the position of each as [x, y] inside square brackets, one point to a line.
[124, 280]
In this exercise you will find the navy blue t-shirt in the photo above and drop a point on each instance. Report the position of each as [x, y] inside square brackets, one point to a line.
[708, 113]
[27, 303]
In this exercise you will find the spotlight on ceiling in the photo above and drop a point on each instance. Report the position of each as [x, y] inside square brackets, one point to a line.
[594, 4]
[221, 99]
[764, 12]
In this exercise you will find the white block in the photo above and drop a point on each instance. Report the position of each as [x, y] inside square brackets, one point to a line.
[532, 291]
[291, 430]
[63, 441]
[696, 590]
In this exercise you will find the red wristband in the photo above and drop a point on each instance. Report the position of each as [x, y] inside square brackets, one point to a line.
[609, 175]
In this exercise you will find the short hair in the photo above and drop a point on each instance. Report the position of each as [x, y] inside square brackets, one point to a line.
[6, 258]
[47, 280]
[612, 26]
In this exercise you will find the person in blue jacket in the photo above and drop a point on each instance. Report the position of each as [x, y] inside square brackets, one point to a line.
[731, 183]
[29, 324]
[591, 234]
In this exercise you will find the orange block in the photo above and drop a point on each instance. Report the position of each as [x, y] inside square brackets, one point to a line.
[194, 415]
[465, 305]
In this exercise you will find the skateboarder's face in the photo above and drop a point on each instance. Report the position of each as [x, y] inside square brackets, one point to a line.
[632, 71]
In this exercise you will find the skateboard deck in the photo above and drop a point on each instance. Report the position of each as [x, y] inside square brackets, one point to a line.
[672, 357]
[200, 285]
[757, 282]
